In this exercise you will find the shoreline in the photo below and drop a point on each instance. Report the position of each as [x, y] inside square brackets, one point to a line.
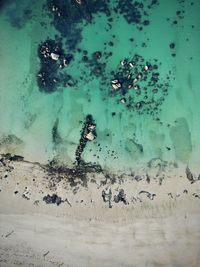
[89, 228]
[157, 175]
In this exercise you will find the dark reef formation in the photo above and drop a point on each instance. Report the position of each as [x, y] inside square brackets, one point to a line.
[53, 60]
[136, 12]
[55, 134]
[69, 14]
[142, 77]
[18, 13]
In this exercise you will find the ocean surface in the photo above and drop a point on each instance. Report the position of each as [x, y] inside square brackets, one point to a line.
[150, 47]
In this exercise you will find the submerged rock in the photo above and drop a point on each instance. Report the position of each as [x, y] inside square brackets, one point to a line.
[52, 61]
[139, 75]
[136, 12]
[69, 17]
[88, 134]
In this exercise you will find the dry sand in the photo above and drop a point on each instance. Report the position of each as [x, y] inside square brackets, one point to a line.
[85, 232]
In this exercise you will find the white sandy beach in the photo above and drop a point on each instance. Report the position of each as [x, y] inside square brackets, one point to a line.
[164, 231]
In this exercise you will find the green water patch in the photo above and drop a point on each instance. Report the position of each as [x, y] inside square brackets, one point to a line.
[158, 142]
[181, 138]
[134, 149]
[11, 144]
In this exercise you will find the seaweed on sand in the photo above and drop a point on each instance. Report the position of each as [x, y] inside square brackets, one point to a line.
[76, 175]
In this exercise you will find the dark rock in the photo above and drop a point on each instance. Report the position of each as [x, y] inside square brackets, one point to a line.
[172, 45]
[146, 22]
[138, 74]
[54, 199]
[148, 178]
[138, 178]
[48, 75]
[107, 196]
[110, 43]
[85, 58]
[120, 197]
[88, 129]
[16, 158]
[189, 175]
[11, 157]
[97, 55]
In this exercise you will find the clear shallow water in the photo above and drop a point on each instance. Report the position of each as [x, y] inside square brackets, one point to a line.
[28, 114]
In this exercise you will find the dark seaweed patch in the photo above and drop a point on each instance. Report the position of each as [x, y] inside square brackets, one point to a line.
[48, 76]
[18, 12]
[135, 12]
[55, 134]
[53, 60]
[68, 17]
[75, 176]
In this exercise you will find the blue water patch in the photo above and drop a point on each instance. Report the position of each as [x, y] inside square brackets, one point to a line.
[133, 66]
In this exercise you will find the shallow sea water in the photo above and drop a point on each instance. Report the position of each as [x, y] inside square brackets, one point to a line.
[127, 138]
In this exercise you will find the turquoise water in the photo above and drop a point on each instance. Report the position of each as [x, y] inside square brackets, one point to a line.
[126, 136]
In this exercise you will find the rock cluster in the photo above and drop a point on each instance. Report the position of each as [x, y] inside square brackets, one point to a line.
[53, 60]
[144, 79]
[54, 199]
[88, 134]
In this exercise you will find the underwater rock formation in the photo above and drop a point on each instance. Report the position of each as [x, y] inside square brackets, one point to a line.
[88, 134]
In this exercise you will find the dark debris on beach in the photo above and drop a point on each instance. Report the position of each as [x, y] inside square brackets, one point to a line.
[112, 191]
[76, 175]
[54, 199]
